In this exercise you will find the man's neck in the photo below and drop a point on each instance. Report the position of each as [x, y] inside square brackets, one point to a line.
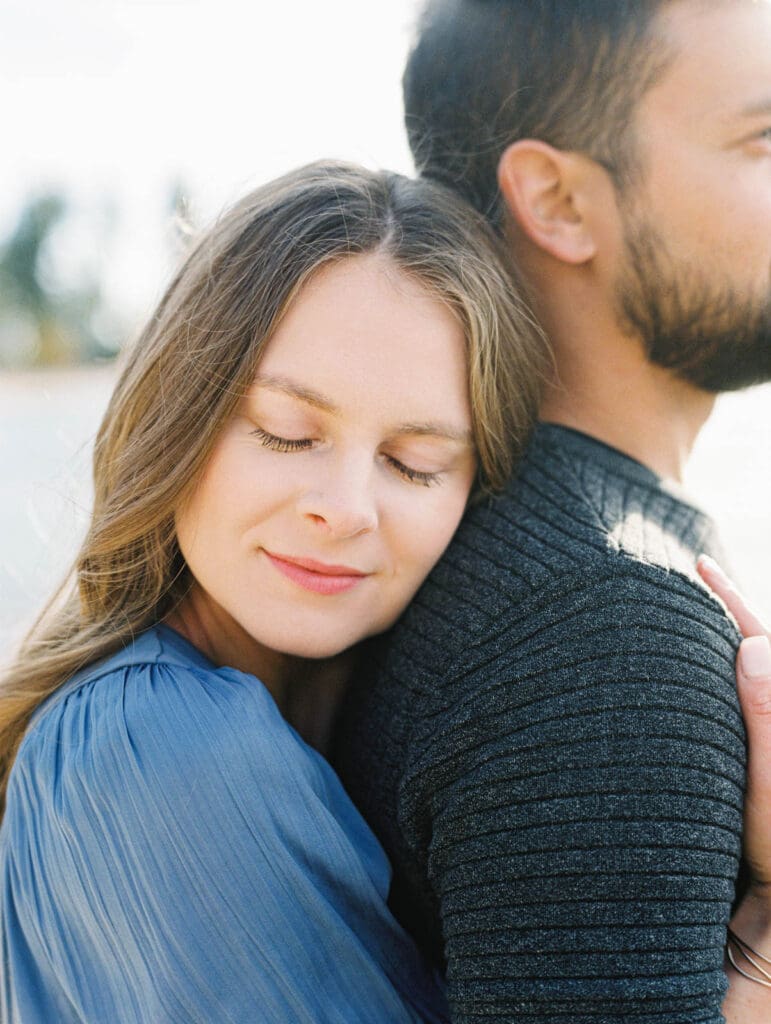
[603, 382]
[639, 409]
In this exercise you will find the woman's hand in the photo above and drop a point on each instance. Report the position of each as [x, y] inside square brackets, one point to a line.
[748, 1001]
[753, 677]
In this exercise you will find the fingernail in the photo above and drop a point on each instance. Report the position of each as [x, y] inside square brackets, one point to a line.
[711, 565]
[755, 657]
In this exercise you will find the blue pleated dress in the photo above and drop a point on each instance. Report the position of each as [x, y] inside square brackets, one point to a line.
[173, 851]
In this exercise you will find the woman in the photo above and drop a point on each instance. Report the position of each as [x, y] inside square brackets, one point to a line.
[290, 447]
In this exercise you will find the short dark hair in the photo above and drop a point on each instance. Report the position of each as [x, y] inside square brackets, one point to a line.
[484, 73]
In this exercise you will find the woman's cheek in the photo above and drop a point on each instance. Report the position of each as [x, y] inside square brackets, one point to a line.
[433, 525]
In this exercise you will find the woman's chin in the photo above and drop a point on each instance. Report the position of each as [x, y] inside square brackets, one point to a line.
[319, 649]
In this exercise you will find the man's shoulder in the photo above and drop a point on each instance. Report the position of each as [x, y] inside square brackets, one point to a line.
[574, 506]
[576, 515]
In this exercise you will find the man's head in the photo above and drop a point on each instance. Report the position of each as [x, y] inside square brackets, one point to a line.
[670, 102]
[484, 73]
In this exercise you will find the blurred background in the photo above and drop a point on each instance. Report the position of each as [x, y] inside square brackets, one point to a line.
[126, 123]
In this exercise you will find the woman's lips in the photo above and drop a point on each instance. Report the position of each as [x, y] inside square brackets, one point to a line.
[317, 576]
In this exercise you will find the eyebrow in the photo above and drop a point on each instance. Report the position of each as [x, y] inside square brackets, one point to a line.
[442, 430]
[289, 387]
[757, 108]
[427, 428]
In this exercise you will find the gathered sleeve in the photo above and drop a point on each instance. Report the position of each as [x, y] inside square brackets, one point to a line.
[174, 853]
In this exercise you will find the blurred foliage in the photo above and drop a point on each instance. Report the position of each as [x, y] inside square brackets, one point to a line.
[42, 321]
[54, 304]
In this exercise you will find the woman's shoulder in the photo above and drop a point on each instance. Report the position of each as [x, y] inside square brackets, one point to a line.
[158, 672]
[157, 756]
[156, 718]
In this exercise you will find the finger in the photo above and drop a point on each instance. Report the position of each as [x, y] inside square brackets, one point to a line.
[753, 673]
[749, 621]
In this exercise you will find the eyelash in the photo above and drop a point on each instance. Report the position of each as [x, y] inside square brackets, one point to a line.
[285, 444]
[414, 476]
[281, 444]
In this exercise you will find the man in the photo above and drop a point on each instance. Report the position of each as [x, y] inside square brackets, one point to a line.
[549, 743]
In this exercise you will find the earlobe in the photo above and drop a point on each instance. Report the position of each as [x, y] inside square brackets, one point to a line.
[541, 188]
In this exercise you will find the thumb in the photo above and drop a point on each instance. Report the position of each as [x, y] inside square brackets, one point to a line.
[753, 673]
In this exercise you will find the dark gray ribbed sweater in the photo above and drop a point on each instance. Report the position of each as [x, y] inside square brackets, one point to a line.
[550, 748]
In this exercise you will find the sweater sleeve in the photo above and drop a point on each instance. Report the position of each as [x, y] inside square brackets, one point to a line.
[170, 859]
[575, 801]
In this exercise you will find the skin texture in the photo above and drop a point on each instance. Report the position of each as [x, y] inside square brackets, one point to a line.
[352, 450]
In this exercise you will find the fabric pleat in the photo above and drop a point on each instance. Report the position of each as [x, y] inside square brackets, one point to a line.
[173, 851]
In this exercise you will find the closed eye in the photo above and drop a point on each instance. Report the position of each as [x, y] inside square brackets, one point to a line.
[287, 444]
[414, 476]
[282, 444]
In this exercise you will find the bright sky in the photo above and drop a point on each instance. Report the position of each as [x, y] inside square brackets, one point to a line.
[125, 97]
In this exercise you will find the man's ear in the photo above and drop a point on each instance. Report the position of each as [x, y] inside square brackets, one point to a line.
[543, 188]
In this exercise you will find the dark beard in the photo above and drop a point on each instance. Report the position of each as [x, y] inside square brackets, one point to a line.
[715, 339]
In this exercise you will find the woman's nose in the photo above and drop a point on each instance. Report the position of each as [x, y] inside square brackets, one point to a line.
[343, 503]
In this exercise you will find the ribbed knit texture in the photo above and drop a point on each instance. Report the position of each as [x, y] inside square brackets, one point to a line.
[550, 748]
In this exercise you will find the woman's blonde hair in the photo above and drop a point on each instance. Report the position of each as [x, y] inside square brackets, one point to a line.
[197, 356]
